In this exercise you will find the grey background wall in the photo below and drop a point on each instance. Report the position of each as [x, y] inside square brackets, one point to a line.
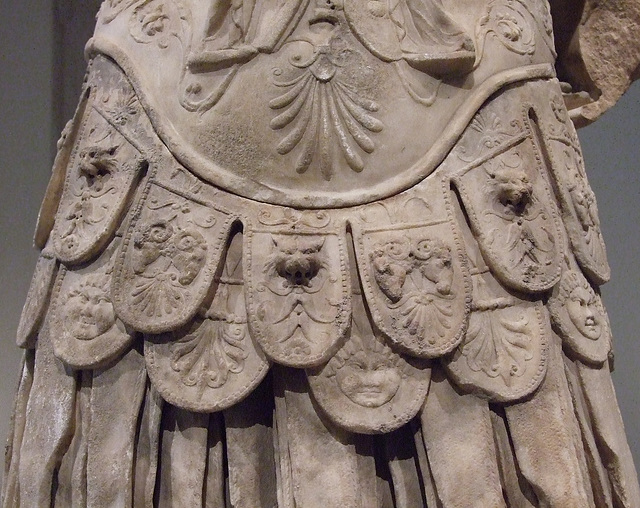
[37, 96]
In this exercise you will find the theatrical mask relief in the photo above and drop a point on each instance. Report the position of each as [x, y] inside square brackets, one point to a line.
[327, 253]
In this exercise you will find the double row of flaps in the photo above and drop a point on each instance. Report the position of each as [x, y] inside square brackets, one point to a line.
[365, 298]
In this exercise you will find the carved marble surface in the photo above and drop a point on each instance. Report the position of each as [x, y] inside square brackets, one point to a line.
[439, 291]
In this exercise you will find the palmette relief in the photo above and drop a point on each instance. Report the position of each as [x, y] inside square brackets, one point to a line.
[504, 354]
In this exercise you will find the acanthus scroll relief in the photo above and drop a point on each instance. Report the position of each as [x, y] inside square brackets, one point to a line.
[154, 21]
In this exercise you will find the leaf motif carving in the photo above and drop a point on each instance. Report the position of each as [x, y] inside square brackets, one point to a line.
[510, 22]
[498, 345]
[157, 21]
[207, 356]
[323, 111]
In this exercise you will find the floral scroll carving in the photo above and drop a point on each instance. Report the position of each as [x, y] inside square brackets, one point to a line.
[157, 21]
[511, 23]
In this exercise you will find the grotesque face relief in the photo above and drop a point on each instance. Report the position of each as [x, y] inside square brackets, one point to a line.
[88, 310]
[297, 260]
[369, 378]
[582, 307]
[514, 190]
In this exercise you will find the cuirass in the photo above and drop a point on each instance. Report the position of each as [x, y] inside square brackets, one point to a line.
[422, 175]
[320, 104]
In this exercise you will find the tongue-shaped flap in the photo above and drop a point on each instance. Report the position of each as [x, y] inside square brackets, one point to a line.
[366, 387]
[297, 289]
[504, 354]
[103, 171]
[579, 317]
[168, 261]
[88, 333]
[213, 363]
[508, 201]
[413, 269]
[577, 200]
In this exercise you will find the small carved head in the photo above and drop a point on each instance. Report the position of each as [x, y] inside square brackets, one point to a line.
[581, 303]
[189, 255]
[297, 259]
[584, 203]
[87, 308]
[512, 186]
[368, 374]
[391, 264]
[97, 164]
[435, 262]
[158, 233]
